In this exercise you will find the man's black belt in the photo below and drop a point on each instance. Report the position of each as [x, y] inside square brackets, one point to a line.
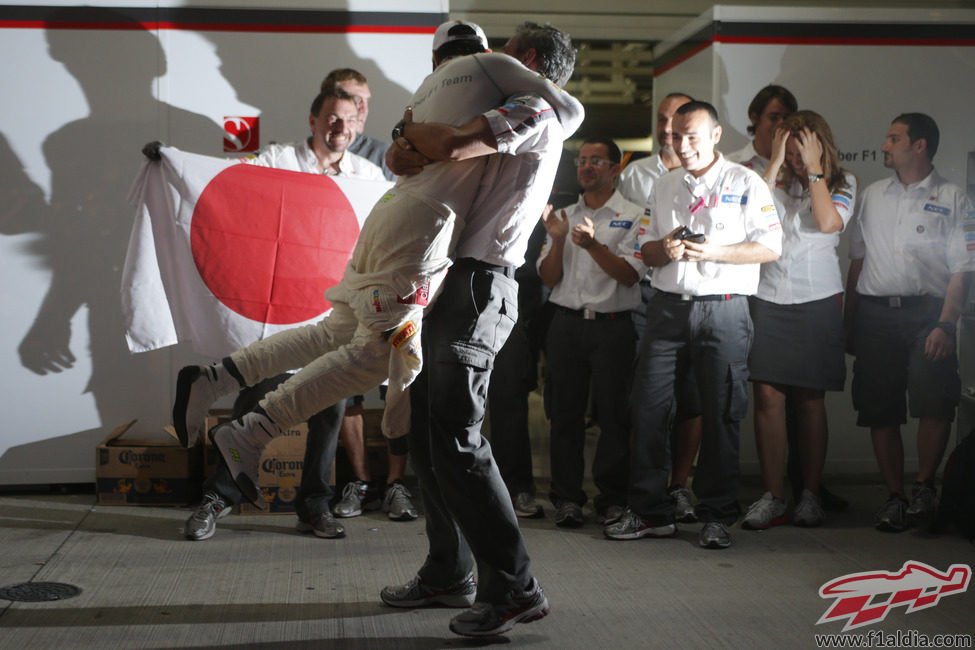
[898, 302]
[588, 314]
[471, 264]
[686, 297]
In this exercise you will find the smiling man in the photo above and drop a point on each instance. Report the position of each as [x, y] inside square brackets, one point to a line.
[333, 120]
[591, 263]
[698, 322]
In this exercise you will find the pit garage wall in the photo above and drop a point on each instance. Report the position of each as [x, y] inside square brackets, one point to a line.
[857, 68]
[84, 89]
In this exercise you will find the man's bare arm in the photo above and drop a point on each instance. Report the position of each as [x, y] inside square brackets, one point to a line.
[748, 252]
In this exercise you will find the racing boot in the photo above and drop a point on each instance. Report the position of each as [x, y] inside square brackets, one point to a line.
[197, 388]
[240, 443]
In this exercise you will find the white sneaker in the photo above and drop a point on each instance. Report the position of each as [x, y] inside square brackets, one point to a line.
[197, 388]
[809, 512]
[241, 442]
[397, 504]
[765, 513]
[683, 507]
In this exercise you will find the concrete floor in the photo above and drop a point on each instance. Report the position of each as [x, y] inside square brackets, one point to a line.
[259, 584]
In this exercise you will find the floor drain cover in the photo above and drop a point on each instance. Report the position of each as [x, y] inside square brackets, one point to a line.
[39, 592]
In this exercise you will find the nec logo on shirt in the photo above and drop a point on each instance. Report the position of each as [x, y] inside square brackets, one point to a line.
[937, 209]
[620, 223]
[738, 199]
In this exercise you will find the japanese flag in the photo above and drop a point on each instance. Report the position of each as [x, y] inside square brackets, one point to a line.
[223, 254]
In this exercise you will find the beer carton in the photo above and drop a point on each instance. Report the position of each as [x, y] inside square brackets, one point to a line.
[146, 470]
[280, 476]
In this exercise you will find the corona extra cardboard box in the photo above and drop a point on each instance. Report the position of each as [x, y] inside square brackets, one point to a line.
[281, 465]
[146, 469]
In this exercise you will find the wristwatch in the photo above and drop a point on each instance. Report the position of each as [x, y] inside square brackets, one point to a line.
[815, 178]
[398, 129]
[947, 327]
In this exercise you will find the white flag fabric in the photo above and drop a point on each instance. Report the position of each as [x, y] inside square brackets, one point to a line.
[223, 254]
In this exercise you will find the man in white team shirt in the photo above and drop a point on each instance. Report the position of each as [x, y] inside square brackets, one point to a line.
[591, 262]
[637, 178]
[333, 118]
[768, 108]
[398, 263]
[636, 182]
[697, 321]
[912, 260]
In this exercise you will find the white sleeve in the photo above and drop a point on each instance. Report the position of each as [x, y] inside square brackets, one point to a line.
[523, 124]
[629, 246]
[651, 228]
[844, 199]
[961, 242]
[510, 77]
[761, 218]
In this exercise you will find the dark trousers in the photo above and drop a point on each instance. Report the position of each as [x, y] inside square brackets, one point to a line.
[513, 377]
[712, 338]
[466, 504]
[578, 354]
[315, 491]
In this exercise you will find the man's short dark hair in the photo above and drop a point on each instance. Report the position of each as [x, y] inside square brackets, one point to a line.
[338, 75]
[328, 92]
[678, 94]
[921, 127]
[615, 155]
[696, 105]
[766, 95]
[557, 57]
[460, 47]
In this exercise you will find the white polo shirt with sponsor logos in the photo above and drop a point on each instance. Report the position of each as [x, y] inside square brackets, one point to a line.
[808, 268]
[517, 181]
[637, 179]
[299, 157]
[730, 204]
[750, 158]
[912, 238]
[584, 284]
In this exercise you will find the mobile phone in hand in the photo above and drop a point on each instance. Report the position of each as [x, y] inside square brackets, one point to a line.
[687, 234]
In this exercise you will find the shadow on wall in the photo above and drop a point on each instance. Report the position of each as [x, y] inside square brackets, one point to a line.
[80, 235]
[259, 82]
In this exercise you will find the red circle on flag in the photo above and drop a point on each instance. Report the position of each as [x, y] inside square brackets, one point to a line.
[269, 242]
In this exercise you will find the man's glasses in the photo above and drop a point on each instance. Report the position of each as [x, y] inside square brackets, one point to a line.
[595, 161]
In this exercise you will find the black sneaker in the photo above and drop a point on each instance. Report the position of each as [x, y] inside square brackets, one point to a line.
[714, 534]
[203, 522]
[487, 619]
[417, 593]
[892, 516]
[569, 515]
[324, 525]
